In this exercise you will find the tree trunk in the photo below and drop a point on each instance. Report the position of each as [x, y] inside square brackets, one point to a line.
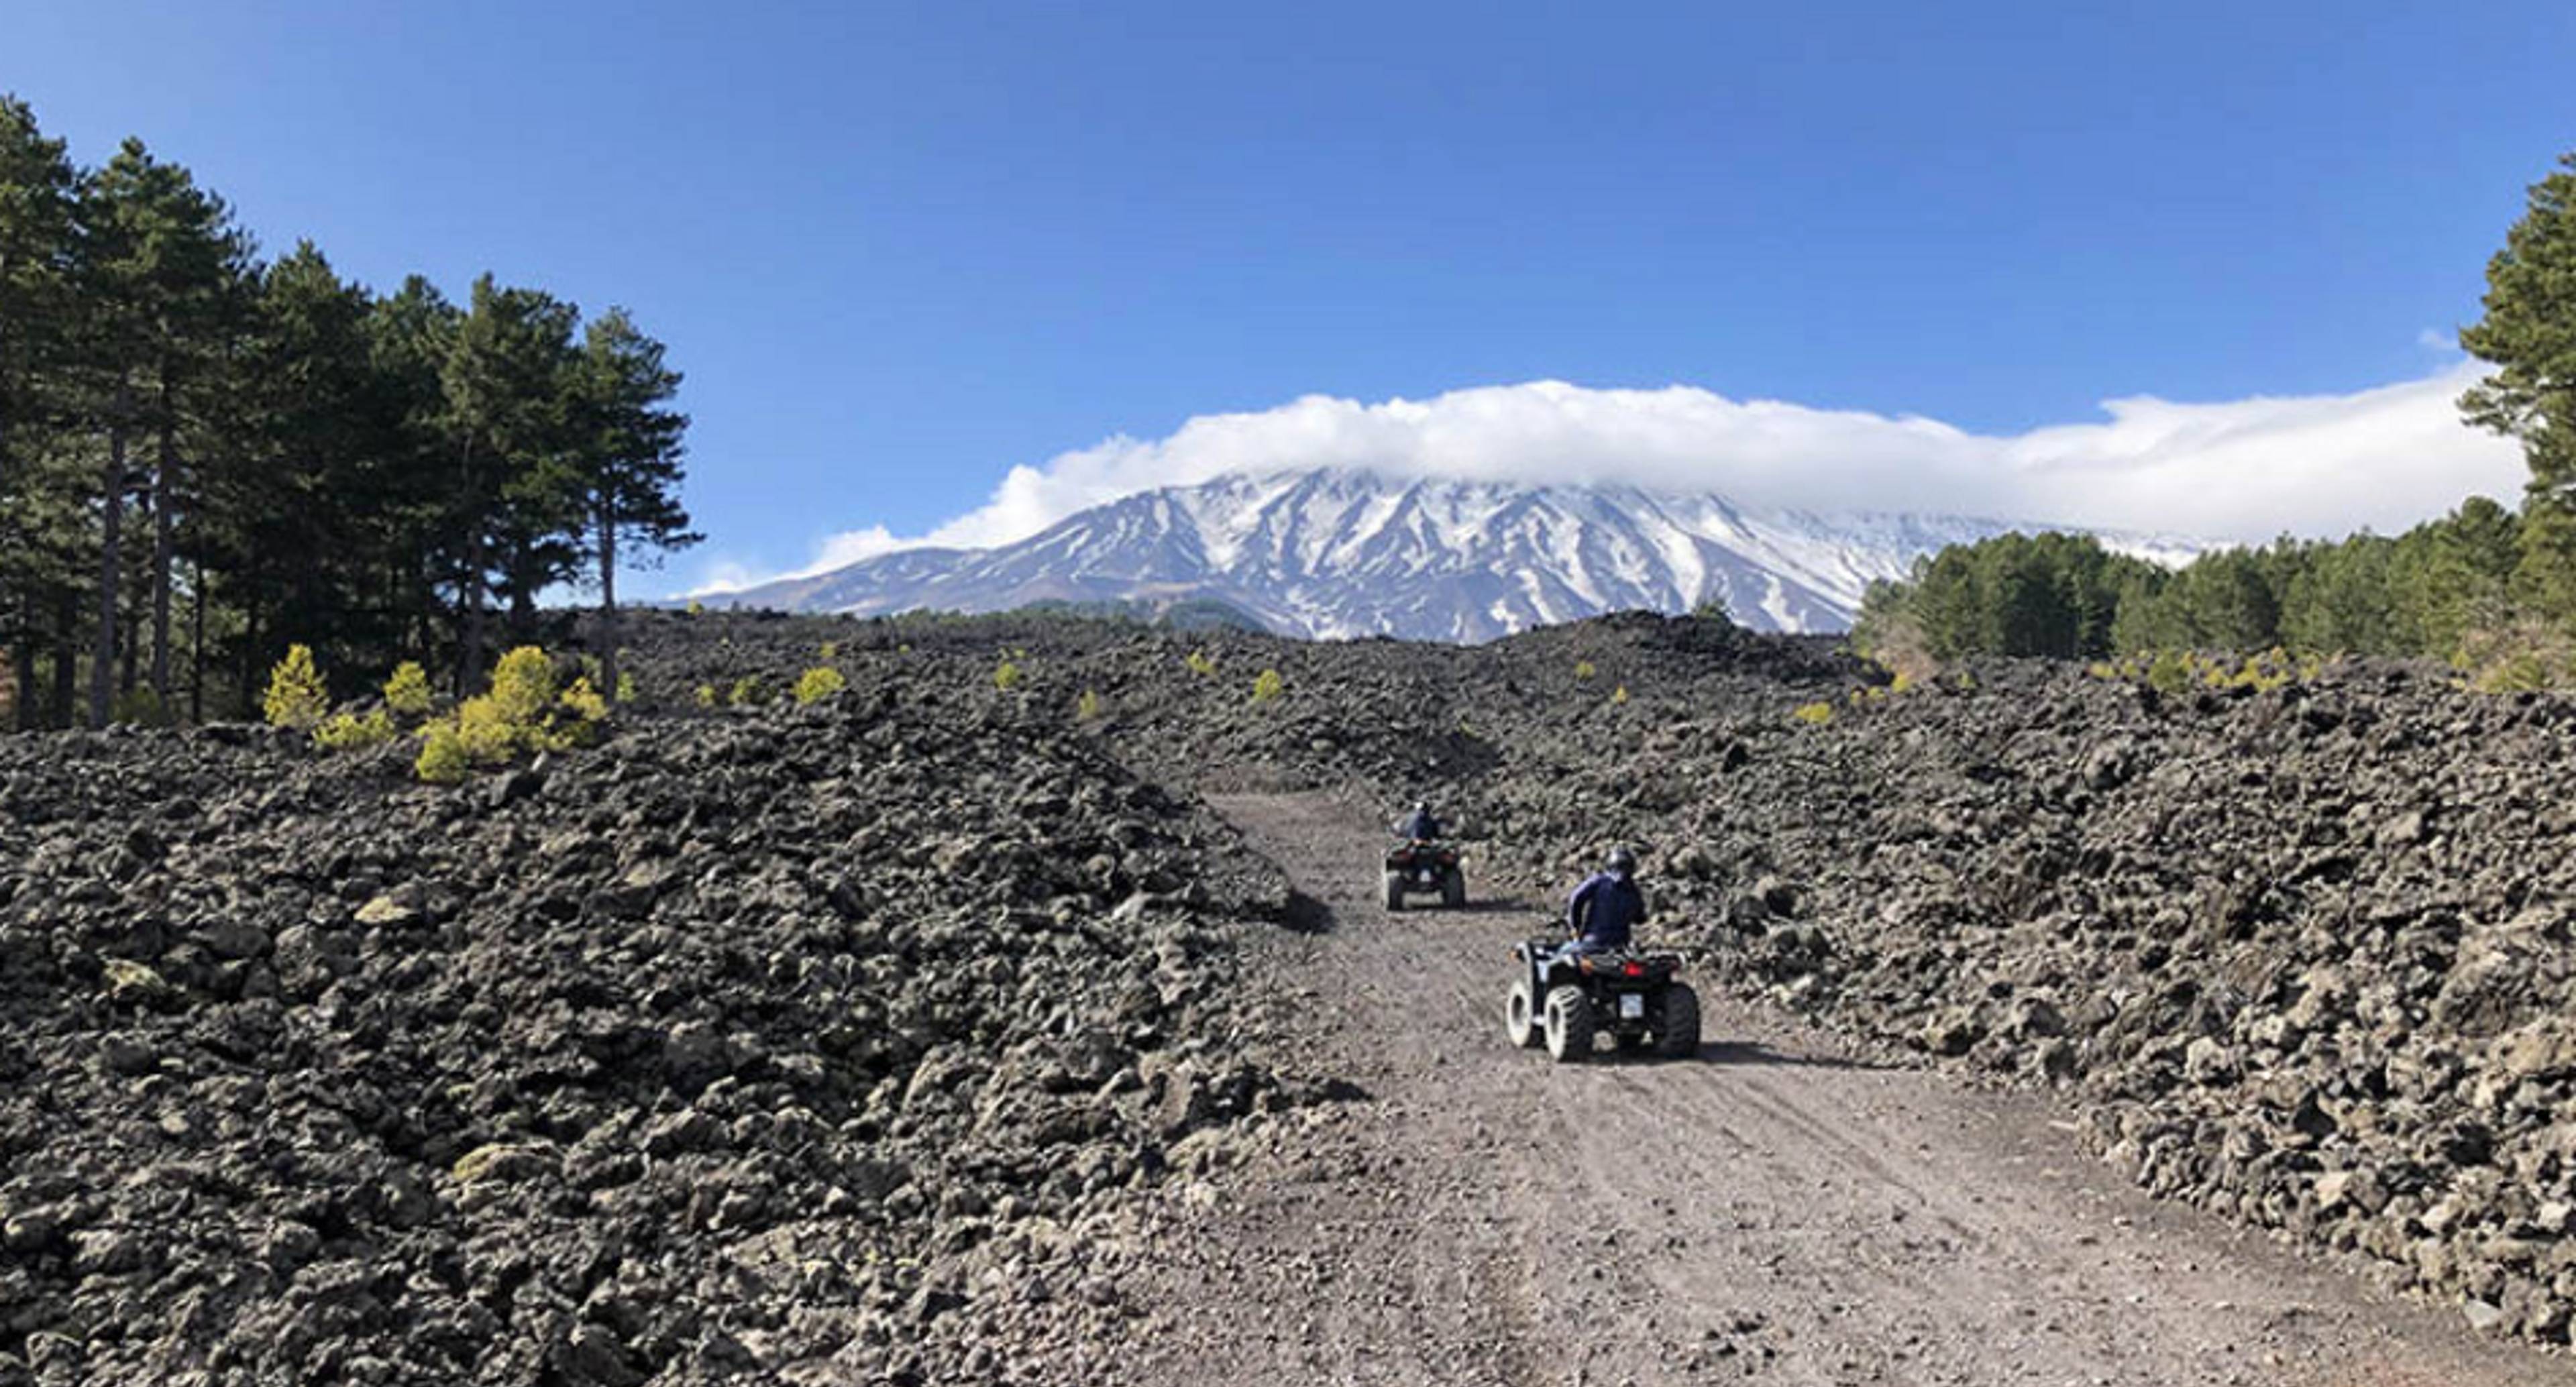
[26, 679]
[67, 644]
[197, 642]
[251, 690]
[608, 602]
[102, 669]
[162, 540]
[523, 596]
[469, 589]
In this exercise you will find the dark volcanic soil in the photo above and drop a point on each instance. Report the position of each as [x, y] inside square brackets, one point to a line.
[940, 1032]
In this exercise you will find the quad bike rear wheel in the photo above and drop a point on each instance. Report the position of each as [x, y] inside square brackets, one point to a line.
[1521, 1017]
[1678, 1037]
[1569, 1026]
[1395, 890]
[1453, 889]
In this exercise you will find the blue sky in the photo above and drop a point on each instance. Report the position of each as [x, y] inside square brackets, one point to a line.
[901, 250]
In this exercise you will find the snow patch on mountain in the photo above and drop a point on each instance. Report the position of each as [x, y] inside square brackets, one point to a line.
[1336, 553]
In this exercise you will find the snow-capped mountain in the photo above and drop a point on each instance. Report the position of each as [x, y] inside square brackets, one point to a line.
[1337, 553]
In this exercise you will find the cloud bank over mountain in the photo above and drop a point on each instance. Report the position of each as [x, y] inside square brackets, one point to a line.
[2381, 458]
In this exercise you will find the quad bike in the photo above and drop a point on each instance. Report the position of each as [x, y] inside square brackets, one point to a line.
[1417, 866]
[1634, 995]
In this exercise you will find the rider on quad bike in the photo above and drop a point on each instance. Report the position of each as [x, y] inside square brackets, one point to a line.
[1419, 862]
[1603, 912]
[1566, 993]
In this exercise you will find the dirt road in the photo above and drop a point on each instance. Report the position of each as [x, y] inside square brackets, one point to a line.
[1771, 1211]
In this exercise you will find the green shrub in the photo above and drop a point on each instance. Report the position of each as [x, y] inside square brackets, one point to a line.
[1088, 707]
[2170, 672]
[1815, 714]
[442, 754]
[523, 712]
[407, 693]
[523, 686]
[141, 708]
[349, 732]
[1201, 664]
[295, 695]
[1583, 671]
[831, 651]
[1619, 695]
[819, 683]
[749, 692]
[1007, 677]
[580, 715]
[707, 696]
[626, 691]
[697, 608]
[1268, 686]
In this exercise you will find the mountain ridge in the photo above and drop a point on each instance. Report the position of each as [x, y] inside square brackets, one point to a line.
[1335, 553]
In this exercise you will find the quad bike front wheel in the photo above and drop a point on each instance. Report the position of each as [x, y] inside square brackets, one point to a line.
[1521, 1017]
[1395, 890]
[1678, 1037]
[1569, 1026]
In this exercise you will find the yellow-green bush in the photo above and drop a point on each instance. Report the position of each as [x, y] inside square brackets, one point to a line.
[523, 712]
[819, 683]
[1583, 671]
[349, 732]
[1267, 686]
[1088, 707]
[295, 695]
[407, 692]
[523, 686]
[442, 754]
[831, 651]
[707, 696]
[697, 608]
[1007, 677]
[1201, 664]
[749, 692]
[1815, 714]
[626, 691]
[1619, 695]
[580, 714]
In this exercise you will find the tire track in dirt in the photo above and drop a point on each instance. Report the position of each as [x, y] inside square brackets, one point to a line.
[1771, 1211]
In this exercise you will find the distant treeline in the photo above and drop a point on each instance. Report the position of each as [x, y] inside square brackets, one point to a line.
[205, 457]
[2489, 588]
[2458, 588]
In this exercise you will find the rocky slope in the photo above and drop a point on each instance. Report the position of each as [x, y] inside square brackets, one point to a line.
[749, 1044]
[848, 1043]
[2301, 956]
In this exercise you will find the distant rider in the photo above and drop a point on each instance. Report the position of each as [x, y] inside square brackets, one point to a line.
[1605, 909]
[1419, 826]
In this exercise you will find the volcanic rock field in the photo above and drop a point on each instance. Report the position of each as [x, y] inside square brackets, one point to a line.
[879, 1039]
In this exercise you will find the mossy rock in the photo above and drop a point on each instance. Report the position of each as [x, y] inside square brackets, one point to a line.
[500, 1163]
[129, 981]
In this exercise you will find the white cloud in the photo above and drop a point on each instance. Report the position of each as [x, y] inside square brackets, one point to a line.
[2384, 458]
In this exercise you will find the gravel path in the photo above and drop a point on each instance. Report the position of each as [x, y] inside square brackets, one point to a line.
[1776, 1210]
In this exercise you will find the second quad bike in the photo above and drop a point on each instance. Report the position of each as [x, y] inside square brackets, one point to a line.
[1563, 1002]
[1421, 867]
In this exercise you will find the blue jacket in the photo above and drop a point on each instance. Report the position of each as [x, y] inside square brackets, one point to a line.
[1421, 828]
[1604, 911]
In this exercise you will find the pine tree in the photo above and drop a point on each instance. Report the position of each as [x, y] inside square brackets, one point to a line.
[2529, 334]
[37, 255]
[163, 257]
[503, 386]
[629, 460]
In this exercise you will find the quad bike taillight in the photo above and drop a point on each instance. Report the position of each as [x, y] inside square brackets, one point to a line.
[1633, 969]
